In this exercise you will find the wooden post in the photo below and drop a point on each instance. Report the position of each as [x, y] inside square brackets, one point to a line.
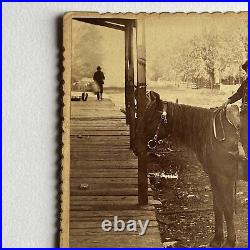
[141, 95]
[131, 87]
[129, 80]
[126, 33]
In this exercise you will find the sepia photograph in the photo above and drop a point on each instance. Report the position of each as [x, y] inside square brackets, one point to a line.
[155, 130]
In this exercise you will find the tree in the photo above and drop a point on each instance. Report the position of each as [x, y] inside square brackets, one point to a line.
[208, 51]
[86, 50]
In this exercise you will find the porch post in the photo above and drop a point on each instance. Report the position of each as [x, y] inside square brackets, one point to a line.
[126, 33]
[129, 80]
[141, 95]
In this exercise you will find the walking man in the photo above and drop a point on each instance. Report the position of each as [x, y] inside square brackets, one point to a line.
[99, 79]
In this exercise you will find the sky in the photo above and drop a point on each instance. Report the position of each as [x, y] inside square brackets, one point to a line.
[165, 34]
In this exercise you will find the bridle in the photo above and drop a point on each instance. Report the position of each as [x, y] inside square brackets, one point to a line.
[152, 144]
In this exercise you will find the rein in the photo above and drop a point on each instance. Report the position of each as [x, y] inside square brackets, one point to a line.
[152, 144]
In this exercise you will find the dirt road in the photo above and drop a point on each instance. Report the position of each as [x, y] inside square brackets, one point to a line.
[186, 216]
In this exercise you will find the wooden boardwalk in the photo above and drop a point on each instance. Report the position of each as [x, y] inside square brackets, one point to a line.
[103, 179]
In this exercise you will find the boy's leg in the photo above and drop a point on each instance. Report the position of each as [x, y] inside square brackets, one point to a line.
[243, 161]
[244, 131]
[101, 90]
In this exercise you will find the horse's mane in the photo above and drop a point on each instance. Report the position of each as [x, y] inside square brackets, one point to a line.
[192, 126]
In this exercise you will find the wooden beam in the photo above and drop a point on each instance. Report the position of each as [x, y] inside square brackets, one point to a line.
[101, 22]
[141, 104]
[122, 21]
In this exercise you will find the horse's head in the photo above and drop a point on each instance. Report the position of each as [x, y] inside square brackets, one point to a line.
[152, 124]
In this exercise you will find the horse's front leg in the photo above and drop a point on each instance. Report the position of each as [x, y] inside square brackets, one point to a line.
[228, 207]
[218, 239]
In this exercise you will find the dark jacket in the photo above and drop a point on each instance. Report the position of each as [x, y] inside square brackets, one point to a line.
[242, 93]
[99, 77]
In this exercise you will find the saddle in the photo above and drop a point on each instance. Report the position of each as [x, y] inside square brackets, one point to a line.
[232, 114]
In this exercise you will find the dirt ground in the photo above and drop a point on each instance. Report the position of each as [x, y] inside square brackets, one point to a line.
[185, 215]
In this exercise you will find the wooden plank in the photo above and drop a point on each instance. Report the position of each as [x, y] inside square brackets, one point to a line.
[95, 232]
[100, 127]
[90, 148]
[76, 128]
[103, 154]
[78, 216]
[122, 155]
[108, 205]
[88, 157]
[103, 204]
[104, 142]
[128, 191]
[94, 141]
[106, 191]
[96, 108]
[105, 125]
[92, 112]
[83, 132]
[105, 198]
[104, 173]
[98, 165]
[99, 122]
[125, 180]
[94, 118]
[120, 241]
[94, 187]
[99, 201]
[94, 138]
[113, 207]
[117, 164]
[96, 224]
[120, 213]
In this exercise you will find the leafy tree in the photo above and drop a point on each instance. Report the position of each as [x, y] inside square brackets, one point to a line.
[215, 53]
[86, 50]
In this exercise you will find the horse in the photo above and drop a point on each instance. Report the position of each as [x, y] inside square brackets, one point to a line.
[194, 126]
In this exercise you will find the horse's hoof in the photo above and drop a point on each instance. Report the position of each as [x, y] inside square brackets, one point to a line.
[216, 242]
[230, 244]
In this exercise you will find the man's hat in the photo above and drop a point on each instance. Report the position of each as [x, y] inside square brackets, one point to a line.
[98, 67]
[245, 66]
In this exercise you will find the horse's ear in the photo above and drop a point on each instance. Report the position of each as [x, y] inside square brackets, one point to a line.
[154, 96]
[157, 100]
[154, 102]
